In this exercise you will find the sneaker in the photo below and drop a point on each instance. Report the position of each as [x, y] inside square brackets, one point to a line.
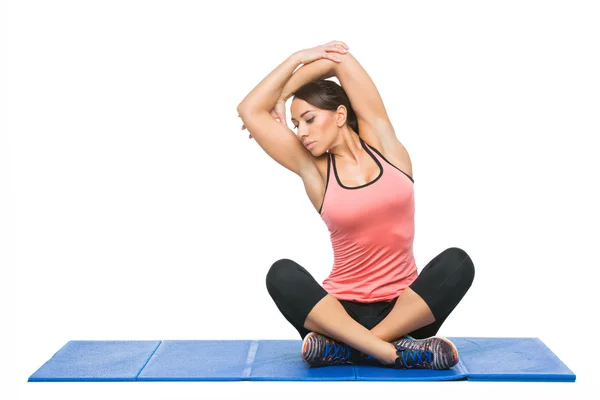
[431, 353]
[319, 350]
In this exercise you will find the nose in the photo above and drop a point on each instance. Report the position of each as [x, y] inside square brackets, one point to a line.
[302, 132]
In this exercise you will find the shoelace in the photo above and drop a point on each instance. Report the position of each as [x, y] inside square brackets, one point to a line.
[336, 352]
[418, 355]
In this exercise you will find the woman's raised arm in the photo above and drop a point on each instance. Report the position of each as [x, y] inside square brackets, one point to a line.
[320, 69]
[373, 122]
[264, 96]
[276, 140]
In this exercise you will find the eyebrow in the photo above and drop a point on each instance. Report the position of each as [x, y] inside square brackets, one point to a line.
[294, 119]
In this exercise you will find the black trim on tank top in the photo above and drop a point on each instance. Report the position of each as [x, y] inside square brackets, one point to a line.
[326, 182]
[381, 155]
[364, 145]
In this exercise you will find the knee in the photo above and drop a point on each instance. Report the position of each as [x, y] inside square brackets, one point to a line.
[280, 272]
[465, 267]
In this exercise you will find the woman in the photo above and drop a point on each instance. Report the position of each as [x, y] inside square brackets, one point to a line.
[373, 307]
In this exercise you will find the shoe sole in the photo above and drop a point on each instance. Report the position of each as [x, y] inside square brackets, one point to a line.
[304, 344]
[453, 348]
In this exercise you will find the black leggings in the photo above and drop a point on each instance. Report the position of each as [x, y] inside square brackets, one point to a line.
[442, 284]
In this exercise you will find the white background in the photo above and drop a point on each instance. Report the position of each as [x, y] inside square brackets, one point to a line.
[133, 207]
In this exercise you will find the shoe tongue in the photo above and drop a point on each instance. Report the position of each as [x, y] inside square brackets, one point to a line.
[397, 342]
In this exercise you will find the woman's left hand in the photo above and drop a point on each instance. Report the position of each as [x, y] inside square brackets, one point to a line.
[324, 51]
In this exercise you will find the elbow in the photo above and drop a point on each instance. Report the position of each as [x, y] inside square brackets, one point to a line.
[245, 110]
[242, 109]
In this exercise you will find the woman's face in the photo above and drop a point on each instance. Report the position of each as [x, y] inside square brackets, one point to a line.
[312, 124]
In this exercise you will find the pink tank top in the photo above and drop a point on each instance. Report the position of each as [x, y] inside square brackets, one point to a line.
[372, 228]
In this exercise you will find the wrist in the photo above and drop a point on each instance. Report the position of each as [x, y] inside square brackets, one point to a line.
[295, 57]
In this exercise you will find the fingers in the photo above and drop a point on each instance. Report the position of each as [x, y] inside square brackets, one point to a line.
[335, 46]
[338, 43]
[337, 49]
[244, 127]
[330, 56]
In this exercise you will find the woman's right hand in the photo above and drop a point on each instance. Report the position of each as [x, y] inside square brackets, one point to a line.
[324, 51]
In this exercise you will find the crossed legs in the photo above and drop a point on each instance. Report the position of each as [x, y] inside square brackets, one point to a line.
[329, 318]
[431, 297]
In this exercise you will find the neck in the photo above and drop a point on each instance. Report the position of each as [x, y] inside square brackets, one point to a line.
[347, 148]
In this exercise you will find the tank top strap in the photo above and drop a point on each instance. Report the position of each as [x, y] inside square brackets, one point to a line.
[385, 163]
[375, 155]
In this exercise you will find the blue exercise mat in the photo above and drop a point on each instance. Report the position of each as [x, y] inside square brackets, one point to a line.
[198, 360]
[98, 361]
[280, 360]
[372, 373]
[510, 359]
[481, 359]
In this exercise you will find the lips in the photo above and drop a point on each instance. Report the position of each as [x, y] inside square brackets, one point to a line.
[308, 144]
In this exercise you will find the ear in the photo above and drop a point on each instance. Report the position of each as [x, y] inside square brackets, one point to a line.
[341, 114]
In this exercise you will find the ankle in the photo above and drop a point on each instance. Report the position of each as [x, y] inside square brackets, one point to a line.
[390, 356]
[387, 358]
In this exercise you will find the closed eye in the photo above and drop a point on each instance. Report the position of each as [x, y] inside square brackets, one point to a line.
[307, 121]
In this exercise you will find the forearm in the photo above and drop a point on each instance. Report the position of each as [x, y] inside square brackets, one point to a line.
[319, 69]
[266, 94]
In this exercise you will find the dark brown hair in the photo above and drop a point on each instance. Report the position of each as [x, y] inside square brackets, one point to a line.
[328, 95]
